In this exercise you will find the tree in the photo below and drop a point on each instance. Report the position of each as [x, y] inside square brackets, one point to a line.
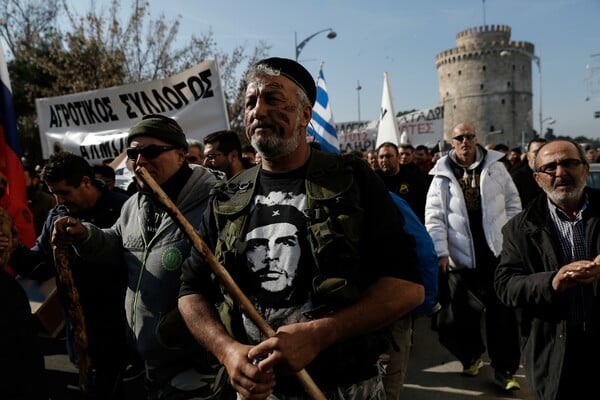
[101, 49]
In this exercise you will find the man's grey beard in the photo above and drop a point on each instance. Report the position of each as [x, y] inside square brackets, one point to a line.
[564, 198]
[274, 147]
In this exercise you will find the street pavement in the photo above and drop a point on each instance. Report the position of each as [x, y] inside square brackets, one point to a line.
[432, 374]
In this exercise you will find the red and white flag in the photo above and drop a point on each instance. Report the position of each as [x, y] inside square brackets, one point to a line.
[14, 197]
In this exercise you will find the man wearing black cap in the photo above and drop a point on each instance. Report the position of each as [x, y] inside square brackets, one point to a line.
[154, 248]
[298, 234]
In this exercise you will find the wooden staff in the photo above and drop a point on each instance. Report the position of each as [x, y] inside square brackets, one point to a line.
[6, 229]
[222, 274]
[80, 339]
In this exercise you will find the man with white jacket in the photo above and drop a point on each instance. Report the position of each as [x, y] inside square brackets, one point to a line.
[470, 198]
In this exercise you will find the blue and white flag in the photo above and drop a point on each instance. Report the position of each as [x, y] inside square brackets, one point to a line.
[321, 126]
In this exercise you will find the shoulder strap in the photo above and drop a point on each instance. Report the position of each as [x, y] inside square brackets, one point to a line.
[234, 195]
[328, 176]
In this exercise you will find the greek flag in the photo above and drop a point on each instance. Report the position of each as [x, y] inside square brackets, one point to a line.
[322, 127]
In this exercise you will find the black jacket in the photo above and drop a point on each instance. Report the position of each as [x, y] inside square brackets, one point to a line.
[530, 258]
[526, 184]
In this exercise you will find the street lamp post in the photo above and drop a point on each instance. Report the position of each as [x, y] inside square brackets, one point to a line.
[299, 46]
[550, 120]
[537, 61]
[358, 88]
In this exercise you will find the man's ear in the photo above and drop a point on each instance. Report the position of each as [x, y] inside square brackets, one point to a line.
[86, 180]
[537, 177]
[306, 115]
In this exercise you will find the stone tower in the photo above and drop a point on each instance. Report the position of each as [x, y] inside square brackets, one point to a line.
[486, 80]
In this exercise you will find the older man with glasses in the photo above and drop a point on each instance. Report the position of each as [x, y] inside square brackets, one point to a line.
[153, 248]
[549, 269]
[195, 153]
[470, 198]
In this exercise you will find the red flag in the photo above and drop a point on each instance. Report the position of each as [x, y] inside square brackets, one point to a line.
[14, 199]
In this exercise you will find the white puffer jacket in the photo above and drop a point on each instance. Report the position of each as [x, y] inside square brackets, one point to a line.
[446, 216]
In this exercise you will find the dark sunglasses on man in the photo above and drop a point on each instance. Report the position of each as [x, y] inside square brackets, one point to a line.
[468, 136]
[148, 152]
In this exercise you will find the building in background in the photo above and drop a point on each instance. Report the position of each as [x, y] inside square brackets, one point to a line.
[486, 81]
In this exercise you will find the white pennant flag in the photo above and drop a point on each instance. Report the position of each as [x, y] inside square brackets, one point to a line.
[388, 126]
[321, 126]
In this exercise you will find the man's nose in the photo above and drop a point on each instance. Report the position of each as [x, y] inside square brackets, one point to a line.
[560, 170]
[260, 109]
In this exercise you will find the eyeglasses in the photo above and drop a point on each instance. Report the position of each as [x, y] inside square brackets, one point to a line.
[468, 136]
[149, 152]
[192, 159]
[550, 168]
[212, 156]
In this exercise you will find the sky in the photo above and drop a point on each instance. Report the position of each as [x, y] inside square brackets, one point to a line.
[403, 38]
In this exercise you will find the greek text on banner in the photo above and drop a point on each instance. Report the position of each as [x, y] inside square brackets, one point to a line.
[94, 124]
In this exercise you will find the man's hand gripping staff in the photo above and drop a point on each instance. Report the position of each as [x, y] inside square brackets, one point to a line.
[65, 275]
[224, 277]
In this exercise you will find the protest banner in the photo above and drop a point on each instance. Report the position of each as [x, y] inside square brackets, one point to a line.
[423, 127]
[94, 124]
[357, 136]
[420, 127]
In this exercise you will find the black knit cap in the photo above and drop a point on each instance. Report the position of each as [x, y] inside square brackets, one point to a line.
[160, 127]
[294, 71]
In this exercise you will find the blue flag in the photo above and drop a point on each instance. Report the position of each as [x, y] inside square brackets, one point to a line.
[322, 127]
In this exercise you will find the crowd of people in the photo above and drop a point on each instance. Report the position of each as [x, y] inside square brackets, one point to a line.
[337, 253]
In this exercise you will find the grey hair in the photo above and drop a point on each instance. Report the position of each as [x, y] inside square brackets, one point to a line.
[574, 143]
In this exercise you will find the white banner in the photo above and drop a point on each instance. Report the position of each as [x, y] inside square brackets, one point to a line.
[94, 124]
[357, 136]
[422, 127]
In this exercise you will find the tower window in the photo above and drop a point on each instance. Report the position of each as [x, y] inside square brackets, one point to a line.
[483, 68]
[508, 84]
[459, 72]
[503, 101]
[481, 86]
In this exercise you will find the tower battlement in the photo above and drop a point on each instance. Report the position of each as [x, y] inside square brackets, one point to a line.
[486, 80]
[474, 51]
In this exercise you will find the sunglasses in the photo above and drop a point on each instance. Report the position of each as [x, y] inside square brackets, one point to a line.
[149, 152]
[550, 168]
[468, 136]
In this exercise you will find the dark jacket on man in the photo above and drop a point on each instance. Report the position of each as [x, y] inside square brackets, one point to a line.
[529, 261]
[526, 184]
